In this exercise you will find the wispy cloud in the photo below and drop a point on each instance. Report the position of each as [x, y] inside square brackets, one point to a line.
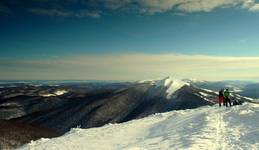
[134, 67]
[95, 8]
[242, 41]
[205, 5]
[182, 6]
[66, 13]
[188, 6]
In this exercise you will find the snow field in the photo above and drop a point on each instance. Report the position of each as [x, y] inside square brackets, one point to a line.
[204, 128]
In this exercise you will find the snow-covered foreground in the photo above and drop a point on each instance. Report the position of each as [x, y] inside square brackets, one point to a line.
[211, 128]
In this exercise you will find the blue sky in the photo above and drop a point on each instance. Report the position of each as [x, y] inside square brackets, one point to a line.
[40, 30]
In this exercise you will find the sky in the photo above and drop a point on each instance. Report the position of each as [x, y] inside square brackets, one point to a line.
[129, 39]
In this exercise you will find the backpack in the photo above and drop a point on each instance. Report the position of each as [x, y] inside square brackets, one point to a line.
[221, 92]
[226, 94]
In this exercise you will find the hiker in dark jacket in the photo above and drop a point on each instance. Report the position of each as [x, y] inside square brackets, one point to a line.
[227, 97]
[221, 97]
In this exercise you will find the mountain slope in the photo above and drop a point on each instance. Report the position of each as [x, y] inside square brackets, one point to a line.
[208, 127]
[14, 134]
[108, 104]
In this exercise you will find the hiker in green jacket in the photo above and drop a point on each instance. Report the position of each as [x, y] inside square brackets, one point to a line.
[227, 98]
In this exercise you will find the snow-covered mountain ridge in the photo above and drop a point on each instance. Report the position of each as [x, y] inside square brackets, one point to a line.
[89, 105]
[208, 127]
[170, 83]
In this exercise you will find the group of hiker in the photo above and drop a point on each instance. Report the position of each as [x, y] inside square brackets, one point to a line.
[225, 98]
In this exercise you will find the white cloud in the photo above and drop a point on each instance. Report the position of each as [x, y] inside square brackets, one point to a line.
[159, 6]
[205, 5]
[184, 6]
[251, 5]
[134, 67]
[153, 6]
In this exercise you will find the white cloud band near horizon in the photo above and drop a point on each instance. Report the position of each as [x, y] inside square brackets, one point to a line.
[132, 67]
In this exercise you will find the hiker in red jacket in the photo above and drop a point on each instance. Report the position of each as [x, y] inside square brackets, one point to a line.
[221, 97]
